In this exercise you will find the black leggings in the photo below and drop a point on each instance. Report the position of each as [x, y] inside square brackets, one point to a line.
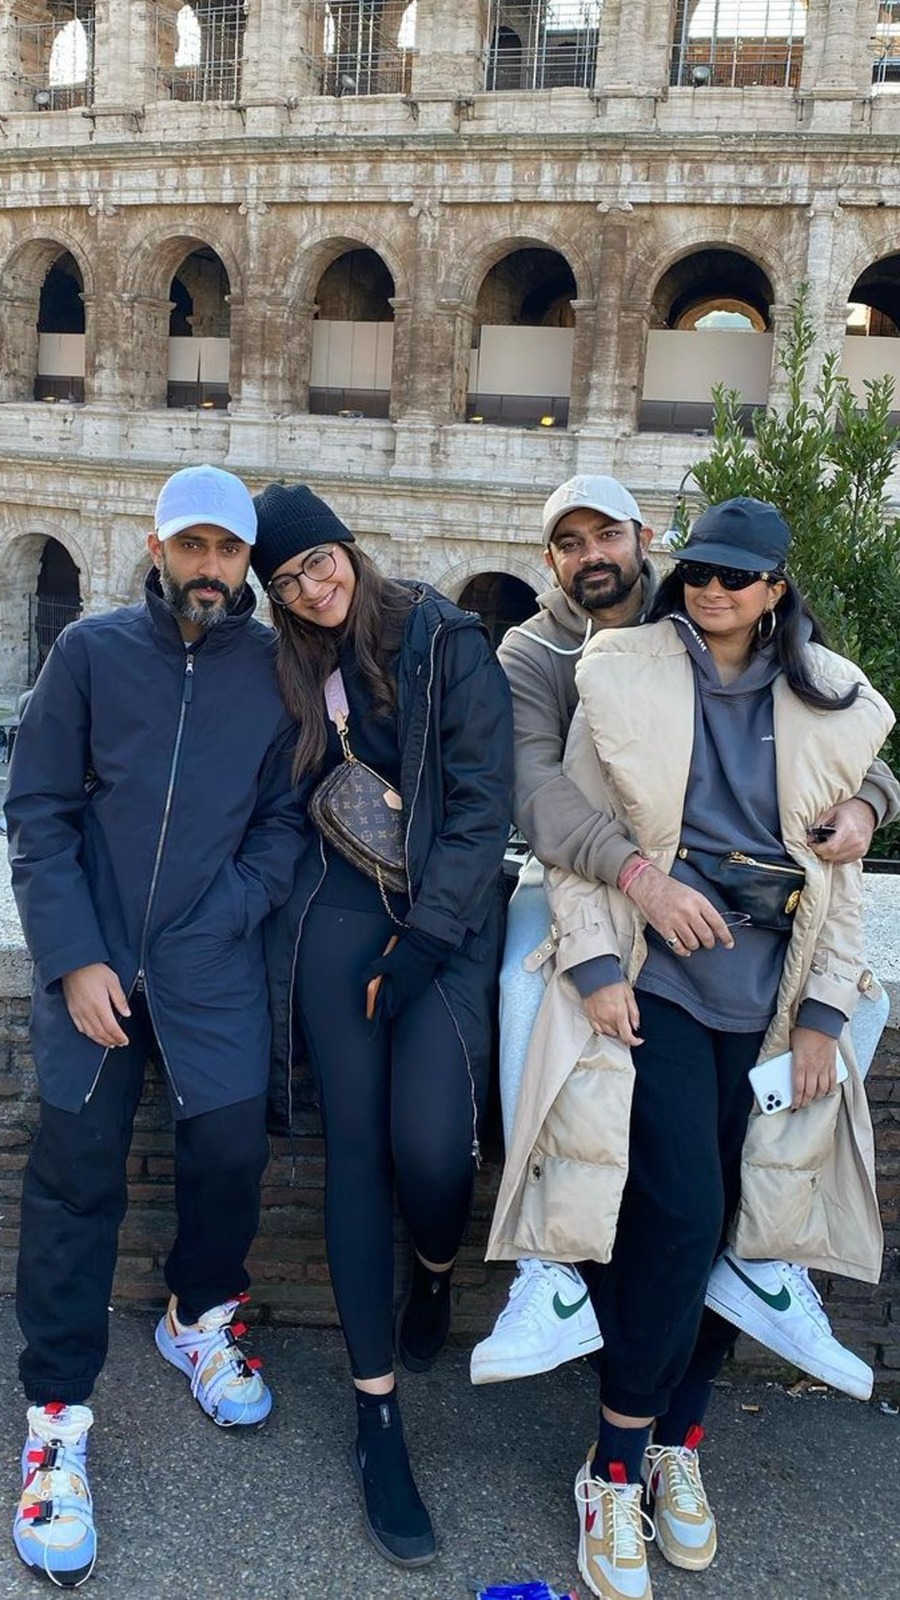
[692, 1098]
[397, 1107]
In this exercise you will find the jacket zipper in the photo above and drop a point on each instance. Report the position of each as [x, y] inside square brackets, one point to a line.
[140, 982]
[290, 1030]
[476, 1147]
[418, 784]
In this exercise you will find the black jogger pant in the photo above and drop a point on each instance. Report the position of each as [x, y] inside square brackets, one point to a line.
[74, 1198]
[397, 1109]
[692, 1099]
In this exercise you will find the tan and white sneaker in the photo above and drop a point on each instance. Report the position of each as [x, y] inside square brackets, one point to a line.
[613, 1534]
[683, 1522]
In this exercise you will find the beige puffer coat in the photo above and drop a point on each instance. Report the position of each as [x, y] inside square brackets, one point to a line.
[808, 1190]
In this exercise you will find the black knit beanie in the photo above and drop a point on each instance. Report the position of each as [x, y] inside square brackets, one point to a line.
[290, 521]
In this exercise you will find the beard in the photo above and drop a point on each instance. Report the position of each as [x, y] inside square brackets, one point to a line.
[617, 586]
[187, 604]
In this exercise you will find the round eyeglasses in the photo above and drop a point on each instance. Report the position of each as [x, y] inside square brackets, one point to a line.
[317, 566]
[697, 574]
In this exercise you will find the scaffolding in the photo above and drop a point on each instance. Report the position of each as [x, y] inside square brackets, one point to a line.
[541, 44]
[737, 44]
[886, 46]
[53, 61]
[200, 50]
[363, 47]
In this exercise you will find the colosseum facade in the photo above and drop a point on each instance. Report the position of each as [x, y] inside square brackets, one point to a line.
[431, 259]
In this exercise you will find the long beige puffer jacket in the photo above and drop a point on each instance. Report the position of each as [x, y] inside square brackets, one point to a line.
[808, 1189]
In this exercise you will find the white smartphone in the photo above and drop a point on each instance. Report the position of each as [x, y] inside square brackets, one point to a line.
[773, 1083]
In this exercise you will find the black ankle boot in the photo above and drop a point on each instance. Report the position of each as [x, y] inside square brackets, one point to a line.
[424, 1321]
[396, 1519]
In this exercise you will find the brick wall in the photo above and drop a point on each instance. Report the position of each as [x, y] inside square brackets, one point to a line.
[290, 1275]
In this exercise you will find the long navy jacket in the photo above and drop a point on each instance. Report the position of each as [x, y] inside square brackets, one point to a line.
[455, 731]
[152, 827]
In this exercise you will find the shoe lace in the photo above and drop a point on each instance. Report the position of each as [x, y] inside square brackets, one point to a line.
[809, 1296]
[525, 1293]
[683, 1481]
[631, 1525]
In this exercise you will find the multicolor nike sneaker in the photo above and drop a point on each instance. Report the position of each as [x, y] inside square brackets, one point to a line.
[547, 1320]
[682, 1519]
[613, 1534]
[224, 1382]
[54, 1530]
[777, 1304]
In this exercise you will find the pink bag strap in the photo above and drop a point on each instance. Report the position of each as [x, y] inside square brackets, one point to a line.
[337, 706]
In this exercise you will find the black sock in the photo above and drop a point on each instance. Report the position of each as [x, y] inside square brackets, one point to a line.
[425, 1321]
[625, 1446]
[687, 1408]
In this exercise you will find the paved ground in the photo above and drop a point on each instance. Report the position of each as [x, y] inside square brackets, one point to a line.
[806, 1489]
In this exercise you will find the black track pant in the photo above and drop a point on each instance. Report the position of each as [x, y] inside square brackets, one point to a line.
[74, 1198]
[692, 1098]
[397, 1110]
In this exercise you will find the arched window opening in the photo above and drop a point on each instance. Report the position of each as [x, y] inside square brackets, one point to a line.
[364, 47]
[541, 44]
[711, 326]
[200, 333]
[872, 338]
[502, 602]
[886, 46]
[353, 338]
[200, 58]
[60, 365]
[55, 603]
[737, 44]
[520, 369]
[56, 58]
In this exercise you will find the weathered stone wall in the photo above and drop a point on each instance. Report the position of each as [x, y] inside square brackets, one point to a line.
[622, 180]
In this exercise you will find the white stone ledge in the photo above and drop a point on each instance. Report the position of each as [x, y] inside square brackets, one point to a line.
[881, 901]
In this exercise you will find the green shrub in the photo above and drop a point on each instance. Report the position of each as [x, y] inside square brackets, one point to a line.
[824, 461]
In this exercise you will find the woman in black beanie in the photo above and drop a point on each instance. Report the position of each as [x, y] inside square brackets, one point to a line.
[427, 709]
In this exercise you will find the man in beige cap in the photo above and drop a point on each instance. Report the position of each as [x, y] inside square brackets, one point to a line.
[595, 546]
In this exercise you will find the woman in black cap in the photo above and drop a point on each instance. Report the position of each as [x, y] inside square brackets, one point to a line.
[394, 986]
[722, 734]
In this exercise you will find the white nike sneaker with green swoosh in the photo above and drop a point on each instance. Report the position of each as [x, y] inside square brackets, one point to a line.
[547, 1320]
[777, 1304]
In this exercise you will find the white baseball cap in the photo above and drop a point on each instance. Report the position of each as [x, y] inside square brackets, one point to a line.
[594, 494]
[205, 494]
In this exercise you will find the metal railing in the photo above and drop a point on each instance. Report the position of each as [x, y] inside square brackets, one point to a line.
[745, 44]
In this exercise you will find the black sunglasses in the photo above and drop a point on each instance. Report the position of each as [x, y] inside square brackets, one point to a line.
[697, 574]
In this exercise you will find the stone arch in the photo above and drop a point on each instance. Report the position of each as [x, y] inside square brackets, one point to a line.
[313, 381]
[465, 277]
[678, 378]
[522, 330]
[22, 277]
[147, 288]
[318, 254]
[155, 261]
[654, 256]
[21, 555]
[865, 255]
[453, 579]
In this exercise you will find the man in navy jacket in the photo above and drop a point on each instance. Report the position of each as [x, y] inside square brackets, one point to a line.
[152, 826]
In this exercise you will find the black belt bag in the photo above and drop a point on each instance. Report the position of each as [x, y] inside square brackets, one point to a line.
[768, 892]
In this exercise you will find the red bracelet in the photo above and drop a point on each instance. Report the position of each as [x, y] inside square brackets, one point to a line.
[631, 873]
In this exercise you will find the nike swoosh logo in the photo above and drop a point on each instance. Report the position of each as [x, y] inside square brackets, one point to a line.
[590, 1517]
[779, 1302]
[562, 1310]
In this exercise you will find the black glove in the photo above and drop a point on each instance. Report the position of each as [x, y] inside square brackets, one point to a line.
[406, 972]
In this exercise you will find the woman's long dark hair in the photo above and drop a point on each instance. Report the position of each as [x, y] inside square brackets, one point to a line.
[788, 641]
[308, 654]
